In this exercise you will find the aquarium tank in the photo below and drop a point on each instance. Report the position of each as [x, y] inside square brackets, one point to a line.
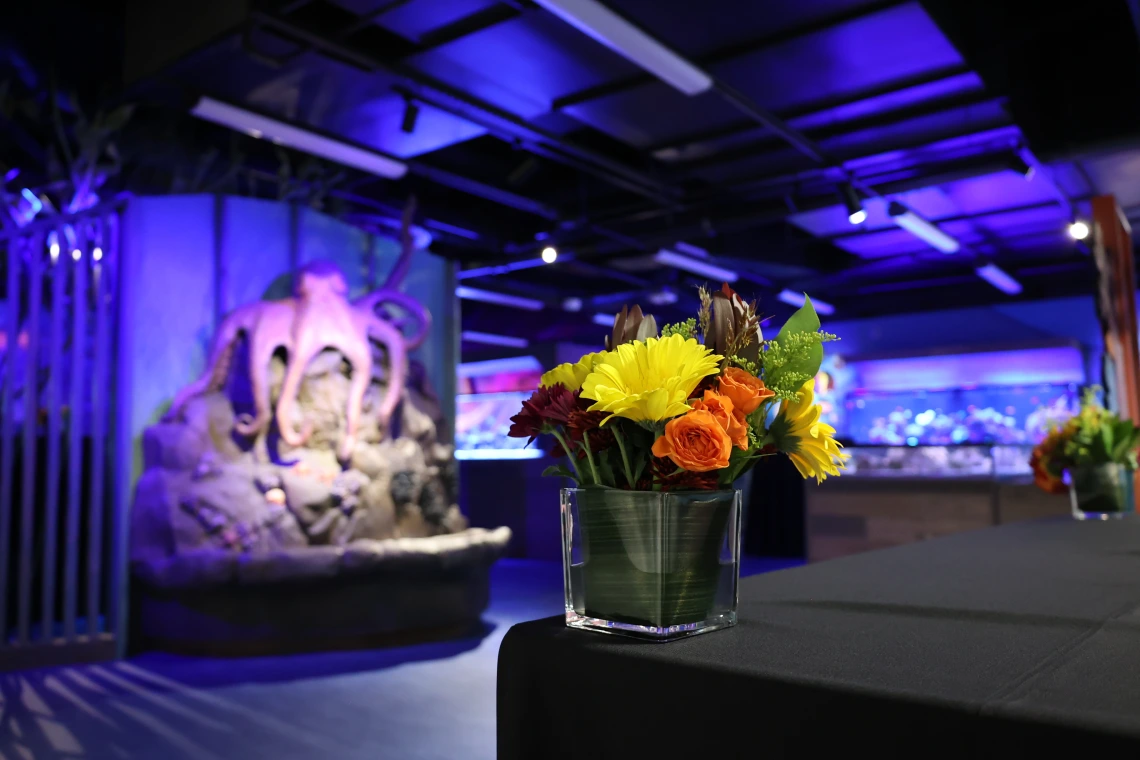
[482, 421]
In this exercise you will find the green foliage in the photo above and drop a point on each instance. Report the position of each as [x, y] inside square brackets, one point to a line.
[686, 329]
[559, 470]
[794, 356]
[747, 365]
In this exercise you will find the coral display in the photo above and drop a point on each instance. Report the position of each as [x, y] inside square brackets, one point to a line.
[483, 422]
[1001, 415]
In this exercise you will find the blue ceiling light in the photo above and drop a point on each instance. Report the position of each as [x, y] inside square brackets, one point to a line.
[500, 299]
[290, 136]
[922, 229]
[999, 278]
[605, 320]
[597, 21]
[490, 339]
[856, 214]
[549, 254]
[792, 298]
[695, 266]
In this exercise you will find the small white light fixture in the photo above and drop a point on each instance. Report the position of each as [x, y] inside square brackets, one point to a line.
[97, 254]
[299, 138]
[605, 320]
[501, 299]
[76, 254]
[550, 254]
[597, 21]
[856, 214]
[1078, 230]
[922, 229]
[53, 249]
[999, 278]
[792, 298]
[662, 297]
[572, 304]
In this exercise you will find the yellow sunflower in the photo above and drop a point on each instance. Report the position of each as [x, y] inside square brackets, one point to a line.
[809, 443]
[570, 374]
[649, 380]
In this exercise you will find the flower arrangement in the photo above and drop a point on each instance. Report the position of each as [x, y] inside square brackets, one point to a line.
[691, 409]
[1092, 438]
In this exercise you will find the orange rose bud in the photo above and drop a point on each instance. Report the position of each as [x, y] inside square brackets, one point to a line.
[746, 391]
[695, 442]
[725, 412]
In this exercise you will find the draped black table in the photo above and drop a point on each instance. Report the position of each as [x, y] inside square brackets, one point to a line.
[1013, 641]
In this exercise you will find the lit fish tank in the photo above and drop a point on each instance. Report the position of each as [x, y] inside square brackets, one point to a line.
[482, 421]
[1010, 415]
[920, 462]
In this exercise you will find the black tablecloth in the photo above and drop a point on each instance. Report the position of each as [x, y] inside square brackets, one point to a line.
[1015, 641]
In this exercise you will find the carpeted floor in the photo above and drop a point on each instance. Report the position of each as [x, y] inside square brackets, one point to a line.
[429, 702]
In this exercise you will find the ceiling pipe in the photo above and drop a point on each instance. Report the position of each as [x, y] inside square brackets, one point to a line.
[459, 103]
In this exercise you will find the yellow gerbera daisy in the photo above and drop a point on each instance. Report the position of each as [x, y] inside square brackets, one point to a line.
[570, 374]
[809, 443]
[649, 380]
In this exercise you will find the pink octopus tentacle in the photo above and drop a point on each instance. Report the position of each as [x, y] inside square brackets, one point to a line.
[415, 309]
[289, 389]
[388, 336]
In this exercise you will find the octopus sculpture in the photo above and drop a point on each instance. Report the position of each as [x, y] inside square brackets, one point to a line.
[318, 316]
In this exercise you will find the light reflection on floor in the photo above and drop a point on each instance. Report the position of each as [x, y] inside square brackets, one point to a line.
[431, 701]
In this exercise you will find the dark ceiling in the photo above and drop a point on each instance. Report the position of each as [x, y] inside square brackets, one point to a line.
[530, 133]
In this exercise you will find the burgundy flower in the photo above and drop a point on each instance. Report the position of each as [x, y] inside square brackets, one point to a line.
[545, 407]
[582, 423]
[665, 474]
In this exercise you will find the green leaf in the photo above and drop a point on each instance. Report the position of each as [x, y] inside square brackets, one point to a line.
[559, 470]
[805, 320]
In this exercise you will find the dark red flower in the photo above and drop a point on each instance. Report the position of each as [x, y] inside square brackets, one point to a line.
[666, 475]
[545, 407]
[588, 424]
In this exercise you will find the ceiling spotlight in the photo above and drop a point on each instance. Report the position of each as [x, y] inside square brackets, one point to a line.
[550, 254]
[76, 254]
[572, 304]
[1021, 166]
[856, 214]
[1078, 230]
[662, 297]
[97, 254]
[411, 115]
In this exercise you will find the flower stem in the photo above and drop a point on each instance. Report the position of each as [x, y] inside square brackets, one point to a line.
[590, 457]
[569, 452]
[624, 457]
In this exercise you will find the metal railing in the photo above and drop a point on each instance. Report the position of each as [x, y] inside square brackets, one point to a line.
[58, 502]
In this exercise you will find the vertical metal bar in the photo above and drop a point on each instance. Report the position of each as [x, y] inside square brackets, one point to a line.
[75, 427]
[34, 249]
[124, 462]
[7, 436]
[99, 388]
[58, 273]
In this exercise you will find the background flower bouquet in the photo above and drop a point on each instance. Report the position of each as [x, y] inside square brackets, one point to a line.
[656, 430]
[1096, 450]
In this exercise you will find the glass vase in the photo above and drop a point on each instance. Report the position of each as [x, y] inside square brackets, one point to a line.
[1101, 493]
[649, 564]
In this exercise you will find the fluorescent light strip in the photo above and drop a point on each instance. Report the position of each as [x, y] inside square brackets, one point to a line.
[514, 266]
[502, 299]
[605, 320]
[695, 266]
[495, 366]
[476, 454]
[491, 339]
[691, 249]
[295, 137]
[922, 229]
[792, 298]
[999, 278]
[625, 39]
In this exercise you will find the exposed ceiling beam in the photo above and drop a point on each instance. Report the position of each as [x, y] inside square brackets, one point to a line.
[728, 53]
[498, 121]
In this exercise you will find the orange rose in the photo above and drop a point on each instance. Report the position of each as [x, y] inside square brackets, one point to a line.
[725, 412]
[747, 392]
[695, 442]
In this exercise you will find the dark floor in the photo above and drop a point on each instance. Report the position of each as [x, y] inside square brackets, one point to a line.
[427, 701]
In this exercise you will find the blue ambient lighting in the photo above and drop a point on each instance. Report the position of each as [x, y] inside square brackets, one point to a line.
[490, 454]
[490, 339]
[922, 229]
[999, 278]
[605, 320]
[497, 366]
[501, 299]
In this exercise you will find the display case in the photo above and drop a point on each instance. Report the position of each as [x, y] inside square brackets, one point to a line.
[1007, 462]
[482, 421]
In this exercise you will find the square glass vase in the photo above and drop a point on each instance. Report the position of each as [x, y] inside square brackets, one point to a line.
[1103, 492]
[652, 565]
